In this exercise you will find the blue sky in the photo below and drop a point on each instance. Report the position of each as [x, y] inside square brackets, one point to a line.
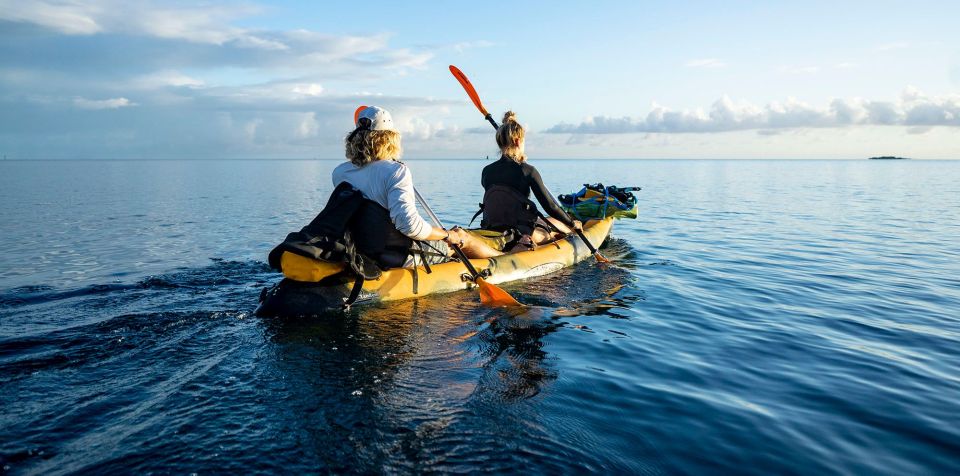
[126, 79]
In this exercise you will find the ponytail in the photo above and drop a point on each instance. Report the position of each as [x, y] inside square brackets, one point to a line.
[510, 137]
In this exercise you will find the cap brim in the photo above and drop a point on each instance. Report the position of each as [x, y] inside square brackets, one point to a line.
[356, 114]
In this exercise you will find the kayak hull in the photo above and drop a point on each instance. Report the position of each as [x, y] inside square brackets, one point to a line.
[296, 298]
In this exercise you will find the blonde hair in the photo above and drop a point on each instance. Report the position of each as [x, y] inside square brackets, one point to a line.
[510, 138]
[365, 146]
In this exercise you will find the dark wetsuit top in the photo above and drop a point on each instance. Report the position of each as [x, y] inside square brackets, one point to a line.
[523, 178]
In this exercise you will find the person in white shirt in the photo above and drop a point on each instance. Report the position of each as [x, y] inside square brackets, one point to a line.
[372, 151]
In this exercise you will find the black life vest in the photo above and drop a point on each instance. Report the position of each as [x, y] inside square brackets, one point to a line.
[376, 236]
[354, 230]
[504, 208]
[349, 224]
[325, 237]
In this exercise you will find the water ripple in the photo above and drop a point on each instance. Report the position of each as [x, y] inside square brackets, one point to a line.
[760, 317]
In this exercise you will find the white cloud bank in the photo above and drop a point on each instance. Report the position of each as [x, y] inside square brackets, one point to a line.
[166, 78]
[204, 23]
[114, 103]
[159, 79]
[201, 36]
[912, 109]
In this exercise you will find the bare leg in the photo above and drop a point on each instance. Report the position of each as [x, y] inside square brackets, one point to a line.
[473, 247]
[540, 236]
[559, 224]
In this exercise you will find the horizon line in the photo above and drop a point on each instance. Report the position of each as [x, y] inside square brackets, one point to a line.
[154, 159]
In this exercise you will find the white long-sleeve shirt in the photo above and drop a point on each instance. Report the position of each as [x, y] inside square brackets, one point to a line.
[390, 184]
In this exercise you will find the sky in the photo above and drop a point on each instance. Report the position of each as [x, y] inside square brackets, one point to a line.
[254, 79]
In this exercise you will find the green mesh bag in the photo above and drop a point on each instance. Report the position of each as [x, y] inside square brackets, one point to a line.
[596, 201]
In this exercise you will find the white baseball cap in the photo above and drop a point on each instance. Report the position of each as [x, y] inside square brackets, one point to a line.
[379, 118]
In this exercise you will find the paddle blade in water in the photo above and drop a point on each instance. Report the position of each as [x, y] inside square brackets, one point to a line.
[468, 87]
[493, 296]
[600, 258]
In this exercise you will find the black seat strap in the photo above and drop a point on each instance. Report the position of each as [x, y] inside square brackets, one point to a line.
[475, 215]
[354, 293]
[416, 278]
[550, 226]
[423, 259]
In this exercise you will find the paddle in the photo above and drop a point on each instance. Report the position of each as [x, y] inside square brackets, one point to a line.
[596, 254]
[472, 92]
[490, 295]
[468, 87]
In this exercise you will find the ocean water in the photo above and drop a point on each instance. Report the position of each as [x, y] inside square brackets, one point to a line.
[761, 317]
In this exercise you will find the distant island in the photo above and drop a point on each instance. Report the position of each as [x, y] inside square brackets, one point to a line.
[888, 157]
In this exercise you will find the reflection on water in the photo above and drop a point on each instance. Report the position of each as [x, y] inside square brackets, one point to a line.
[517, 365]
[412, 382]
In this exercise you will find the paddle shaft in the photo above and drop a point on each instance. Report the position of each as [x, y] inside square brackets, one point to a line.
[436, 221]
[585, 240]
[489, 117]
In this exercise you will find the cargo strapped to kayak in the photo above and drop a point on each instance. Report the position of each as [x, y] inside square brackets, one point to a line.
[597, 201]
[328, 239]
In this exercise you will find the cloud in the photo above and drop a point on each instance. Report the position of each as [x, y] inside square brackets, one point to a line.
[166, 78]
[194, 80]
[418, 128]
[705, 63]
[912, 109]
[308, 89]
[71, 19]
[270, 119]
[204, 23]
[478, 130]
[110, 37]
[180, 55]
[95, 104]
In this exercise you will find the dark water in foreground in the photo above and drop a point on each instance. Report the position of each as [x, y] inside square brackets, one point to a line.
[762, 317]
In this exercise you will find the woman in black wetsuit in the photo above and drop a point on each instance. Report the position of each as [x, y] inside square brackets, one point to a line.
[507, 184]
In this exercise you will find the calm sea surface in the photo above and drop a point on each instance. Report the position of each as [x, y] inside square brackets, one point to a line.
[764, 317]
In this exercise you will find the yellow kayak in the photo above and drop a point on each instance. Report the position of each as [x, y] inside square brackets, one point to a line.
[312, 287]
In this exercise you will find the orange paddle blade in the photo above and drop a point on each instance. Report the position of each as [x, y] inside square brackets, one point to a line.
[600, 258]
[468, 87]
[491, 295]
[356, 114]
